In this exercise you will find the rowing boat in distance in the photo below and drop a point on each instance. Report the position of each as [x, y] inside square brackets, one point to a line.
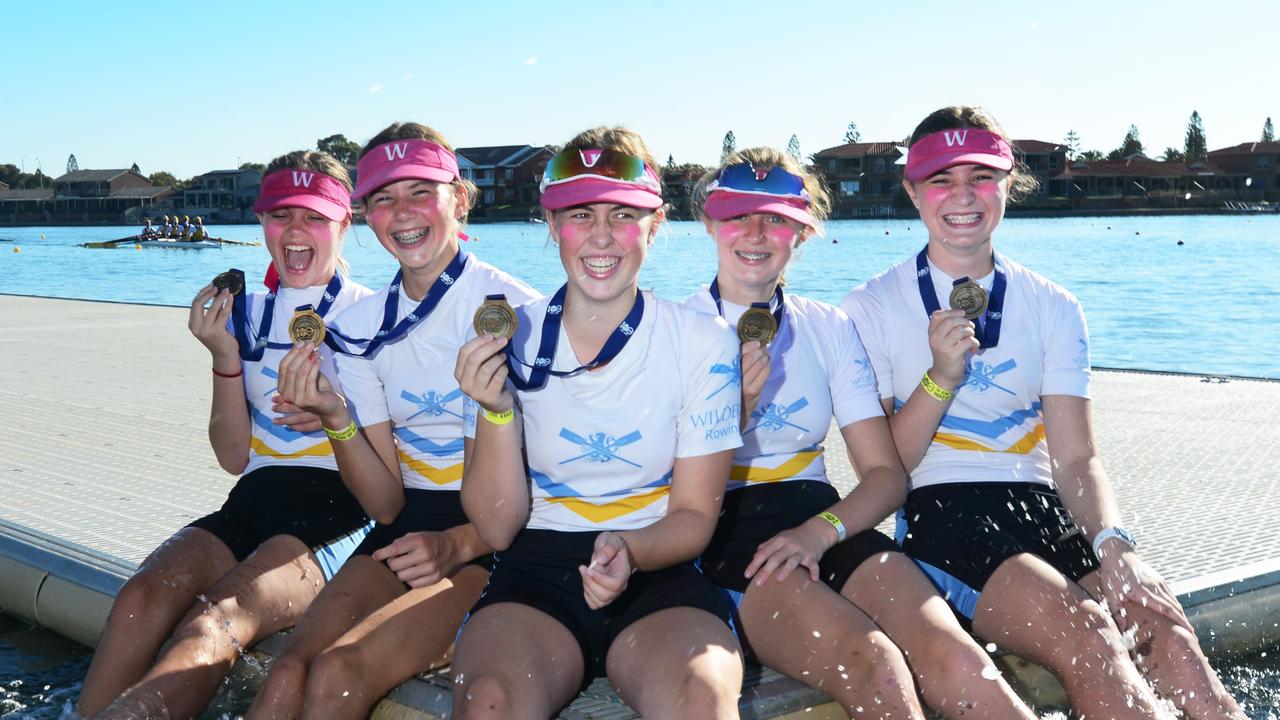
[154, 242]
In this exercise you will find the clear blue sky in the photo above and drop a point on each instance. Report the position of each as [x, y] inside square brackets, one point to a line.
[190, 87]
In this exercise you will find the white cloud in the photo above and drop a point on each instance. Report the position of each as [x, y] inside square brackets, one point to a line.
[408, 76]
[375, 89]
[531, 61]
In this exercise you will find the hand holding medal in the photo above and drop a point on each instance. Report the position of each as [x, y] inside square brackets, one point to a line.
[306, 326]
[232, 281]
[757, 323]
[968, 296]
[495, 317]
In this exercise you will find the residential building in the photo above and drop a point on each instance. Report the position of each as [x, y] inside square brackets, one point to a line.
[1044, 161]
[26, 207]
[103, 195]
[864, 179]
[222, 195]
[1254, 169]
[677, 188]
[507, 176]
[1140, 182]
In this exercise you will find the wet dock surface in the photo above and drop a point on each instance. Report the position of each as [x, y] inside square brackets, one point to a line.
[104, 450]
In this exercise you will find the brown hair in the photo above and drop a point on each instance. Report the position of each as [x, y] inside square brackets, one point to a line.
[316, 161]
[763, 158]
[418, 131]
[958, 117]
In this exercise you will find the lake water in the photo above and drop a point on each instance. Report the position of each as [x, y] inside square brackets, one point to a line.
[1207, 306]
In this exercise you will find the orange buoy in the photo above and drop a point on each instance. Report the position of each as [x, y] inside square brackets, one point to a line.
[137, 247]
[17, 249]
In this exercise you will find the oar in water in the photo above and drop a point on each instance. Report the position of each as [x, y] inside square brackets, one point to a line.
[113, 243]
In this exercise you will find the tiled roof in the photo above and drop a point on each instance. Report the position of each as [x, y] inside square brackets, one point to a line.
[1038, 146]
[91, 175]
[861, 150]
[29, 194]
[500, 155]
[1249, 148]
[1137, 166]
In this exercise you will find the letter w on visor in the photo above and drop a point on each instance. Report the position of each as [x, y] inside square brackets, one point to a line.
[743, 177]
[571, 165]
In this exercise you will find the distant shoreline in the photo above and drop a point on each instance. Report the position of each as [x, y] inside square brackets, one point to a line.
[1011, 212]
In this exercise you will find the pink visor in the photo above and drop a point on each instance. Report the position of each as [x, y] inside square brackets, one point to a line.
[962, 146]
[724, 204]
[404, 160]
[294, 187]
[585, 190]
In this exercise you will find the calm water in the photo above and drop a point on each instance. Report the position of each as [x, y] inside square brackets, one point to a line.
[1207, 306]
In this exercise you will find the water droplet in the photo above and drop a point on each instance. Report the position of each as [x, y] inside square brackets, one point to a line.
[991, 672]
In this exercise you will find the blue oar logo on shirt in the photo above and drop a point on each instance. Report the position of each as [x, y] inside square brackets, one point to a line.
[982, 375]
[432, 402]
[599, 447]
[775, 416]
[733, 371]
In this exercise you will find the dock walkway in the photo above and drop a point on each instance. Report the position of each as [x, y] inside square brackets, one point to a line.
[104, 454]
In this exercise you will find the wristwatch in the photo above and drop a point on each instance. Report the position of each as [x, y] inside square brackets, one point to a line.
[1114, 532]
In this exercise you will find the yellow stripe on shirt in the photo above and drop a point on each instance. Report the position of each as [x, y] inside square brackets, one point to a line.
[600, 513]
[321, 448]
[439, 476]
[1024, 445]
[785, 471]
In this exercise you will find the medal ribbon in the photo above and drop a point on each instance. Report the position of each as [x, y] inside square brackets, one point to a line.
[986, 325]
[252, 351]
[541, 366]
[387, 333]
[778, 299]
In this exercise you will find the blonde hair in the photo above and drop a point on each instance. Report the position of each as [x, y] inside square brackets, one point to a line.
[316, 161]
[767, 158]
[957, 117]
[418, 131]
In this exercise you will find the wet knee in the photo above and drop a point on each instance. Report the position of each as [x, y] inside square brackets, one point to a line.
[873, 660]
[287, 677]
[207, 638]
[1094, 634]
[483, 697]
[146, 595]
[702, 695]
[336, 674]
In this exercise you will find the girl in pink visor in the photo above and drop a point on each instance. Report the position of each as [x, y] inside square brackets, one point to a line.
[396, 416]
[983, 368]
[802, 564]
[626, 407]
[252, 567]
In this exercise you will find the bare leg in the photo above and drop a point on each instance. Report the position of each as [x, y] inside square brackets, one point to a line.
[1175, 664]
[362, 586]
[267, 592]
[1031, 610]
[351, 676]
[808, 631]
[514, 662]
[955, 675]
[678, 663]
[146, 610]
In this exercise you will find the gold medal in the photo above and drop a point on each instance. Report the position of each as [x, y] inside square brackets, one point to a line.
[495, 317]
[306, 326]
[969, 296]
[757, 323]
[231, 280]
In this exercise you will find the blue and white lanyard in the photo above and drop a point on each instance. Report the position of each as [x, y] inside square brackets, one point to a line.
[778, 300]
[251, 349]
[540, 368]
[386, 332]
[987, 325]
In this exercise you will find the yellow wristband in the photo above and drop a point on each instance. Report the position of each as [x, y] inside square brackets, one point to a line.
[934, 389]
[501, 418]
[345, 433]
[835, 523]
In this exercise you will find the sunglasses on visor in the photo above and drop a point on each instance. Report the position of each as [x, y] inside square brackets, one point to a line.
[606, 164]
[745, 178]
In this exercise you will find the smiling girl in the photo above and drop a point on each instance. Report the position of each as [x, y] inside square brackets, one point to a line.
[397, 425]
[1010, 511]
[629, 408]
[239, 574]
